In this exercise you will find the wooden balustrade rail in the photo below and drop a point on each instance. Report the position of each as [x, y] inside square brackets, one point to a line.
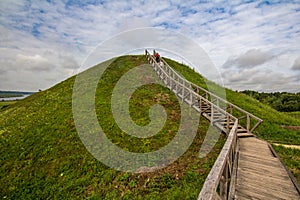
[251, 121]
[183, 90]
[219, 183]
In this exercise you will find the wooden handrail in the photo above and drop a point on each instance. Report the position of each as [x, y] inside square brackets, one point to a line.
[222, 171]
[187, 94]
[248, 116]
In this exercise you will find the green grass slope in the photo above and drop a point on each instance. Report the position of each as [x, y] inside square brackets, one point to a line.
[4, 104]
[42, 156]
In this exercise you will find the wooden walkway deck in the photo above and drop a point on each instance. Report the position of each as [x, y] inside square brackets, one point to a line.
[261, 175]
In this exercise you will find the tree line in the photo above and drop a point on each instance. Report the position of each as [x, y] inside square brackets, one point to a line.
[281, 101]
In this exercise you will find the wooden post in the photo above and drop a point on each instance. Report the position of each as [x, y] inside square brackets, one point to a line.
[248, 123]
[200, 104]
[212, 113]
[227, 124]
[182, 89]
[191, 98]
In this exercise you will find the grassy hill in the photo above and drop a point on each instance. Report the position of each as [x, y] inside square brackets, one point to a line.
[43, 157]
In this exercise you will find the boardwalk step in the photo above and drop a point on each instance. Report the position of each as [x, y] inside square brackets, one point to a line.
[224, 122]
[242, 135]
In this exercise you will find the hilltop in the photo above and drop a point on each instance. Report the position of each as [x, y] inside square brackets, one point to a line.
[43, 157]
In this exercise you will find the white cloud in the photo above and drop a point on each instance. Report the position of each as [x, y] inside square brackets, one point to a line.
[34, 63]
[63, 33]
[251, 58]
[296, 65]
[261, 80]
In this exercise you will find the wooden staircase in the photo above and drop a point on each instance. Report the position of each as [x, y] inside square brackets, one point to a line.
[206, 103]
[244, 159]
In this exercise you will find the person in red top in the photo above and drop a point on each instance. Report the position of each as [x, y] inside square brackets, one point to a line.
[157, 56]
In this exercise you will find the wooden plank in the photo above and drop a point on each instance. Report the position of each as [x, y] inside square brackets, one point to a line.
[261, 168]
[253, 176]
[249, 153]
[256, 140]
[257, 155]
[269, 161]
[262, 173]
[244, 134]
[254, 146]
[277, 187]
[259, 165]
[257, 148]
[246, 195]
[265, 194]
[259, 151]
[253, 143]
[242, 194]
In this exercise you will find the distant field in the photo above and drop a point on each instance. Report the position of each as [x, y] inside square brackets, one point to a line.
[8, 94]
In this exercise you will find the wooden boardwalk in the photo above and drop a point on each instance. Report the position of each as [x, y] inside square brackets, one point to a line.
[260, 174]
[247, 167]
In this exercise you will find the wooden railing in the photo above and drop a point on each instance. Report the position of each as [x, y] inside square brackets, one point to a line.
[182, 89]
[220, 183]
[247, 120]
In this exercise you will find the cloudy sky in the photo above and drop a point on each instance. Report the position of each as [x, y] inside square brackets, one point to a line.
[254, 44]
